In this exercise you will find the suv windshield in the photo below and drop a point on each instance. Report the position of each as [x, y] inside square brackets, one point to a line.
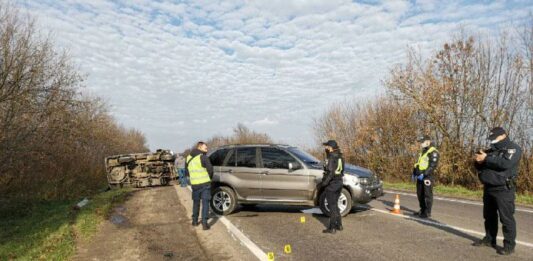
[304, 156]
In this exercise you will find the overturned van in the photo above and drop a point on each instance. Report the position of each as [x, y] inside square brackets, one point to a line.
[140, 169]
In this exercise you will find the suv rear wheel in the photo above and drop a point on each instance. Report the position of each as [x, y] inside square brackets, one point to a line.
[345, 203]
[223, 201]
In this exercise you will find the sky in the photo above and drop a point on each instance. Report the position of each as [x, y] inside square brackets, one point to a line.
[183, 71]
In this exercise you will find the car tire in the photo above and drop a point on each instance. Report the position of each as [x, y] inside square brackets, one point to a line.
[345, 196]
[223, 201]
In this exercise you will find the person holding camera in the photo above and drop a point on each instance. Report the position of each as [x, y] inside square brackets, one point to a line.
[497, 169]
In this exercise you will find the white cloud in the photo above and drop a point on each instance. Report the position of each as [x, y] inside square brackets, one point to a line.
[182, 72]
[265, 121]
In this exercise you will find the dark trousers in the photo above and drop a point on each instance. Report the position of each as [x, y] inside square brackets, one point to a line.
[425, 196]
[333, 192]
[500, 202]
[203, 193]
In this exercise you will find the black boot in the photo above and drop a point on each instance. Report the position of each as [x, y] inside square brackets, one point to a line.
[339, 224]
[205, 226]
[485, 242]
[506, 250]
[331, 229]
[194, 223]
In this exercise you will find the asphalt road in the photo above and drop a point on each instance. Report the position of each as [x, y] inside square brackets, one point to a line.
[371, 233]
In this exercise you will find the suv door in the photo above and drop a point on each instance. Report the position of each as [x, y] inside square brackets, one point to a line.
[217, 160]
[241, 172]
[279, 182]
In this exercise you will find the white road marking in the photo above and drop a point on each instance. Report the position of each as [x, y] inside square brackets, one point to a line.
[469, 202]
[241, 236]
[444, 225]
[312, 211]
[317, 211]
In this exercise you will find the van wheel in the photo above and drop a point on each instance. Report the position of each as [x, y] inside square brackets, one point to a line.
[345, 203]
[223, 201]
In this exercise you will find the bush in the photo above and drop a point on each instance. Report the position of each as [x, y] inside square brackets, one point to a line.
[54, 138]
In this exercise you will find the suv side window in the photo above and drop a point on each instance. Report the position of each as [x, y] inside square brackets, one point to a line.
[217, 158]
[246, 157]
[231, 160]
[277, 159]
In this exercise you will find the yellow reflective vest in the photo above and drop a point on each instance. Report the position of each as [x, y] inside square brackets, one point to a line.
[423, 159]
[339, 169]
[197, 173]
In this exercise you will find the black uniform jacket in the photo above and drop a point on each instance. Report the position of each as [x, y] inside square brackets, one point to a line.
[331, 167]
[501, 163]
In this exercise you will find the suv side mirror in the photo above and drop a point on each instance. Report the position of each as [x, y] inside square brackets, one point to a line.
[294, 166]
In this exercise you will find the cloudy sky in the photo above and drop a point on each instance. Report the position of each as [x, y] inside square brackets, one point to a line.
[181, 71]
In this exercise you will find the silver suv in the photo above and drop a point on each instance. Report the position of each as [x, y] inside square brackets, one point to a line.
[281, 174]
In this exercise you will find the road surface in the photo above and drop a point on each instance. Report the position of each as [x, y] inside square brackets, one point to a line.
[377, 235]
[154, 224]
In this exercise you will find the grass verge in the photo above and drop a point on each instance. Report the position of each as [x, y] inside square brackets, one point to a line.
[48, 230]
[455, 191]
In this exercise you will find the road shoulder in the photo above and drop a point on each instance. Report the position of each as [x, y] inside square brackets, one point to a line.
[218, 242]
[150, 225]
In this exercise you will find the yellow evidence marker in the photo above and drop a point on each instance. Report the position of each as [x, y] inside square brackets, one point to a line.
[270, 256]
[302, 219]
[288, 249]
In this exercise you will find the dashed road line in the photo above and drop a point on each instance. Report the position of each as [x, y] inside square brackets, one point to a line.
[240, 235]
[470, 202]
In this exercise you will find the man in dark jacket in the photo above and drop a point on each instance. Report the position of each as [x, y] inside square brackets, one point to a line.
[332, 181]
[427, 162]
[200, 173]
[497, 169]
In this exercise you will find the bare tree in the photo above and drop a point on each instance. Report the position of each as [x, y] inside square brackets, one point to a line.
[52, 138]
[456, 96]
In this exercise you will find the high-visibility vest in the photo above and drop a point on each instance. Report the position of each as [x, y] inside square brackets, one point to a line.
[423, 159]
[339, 169]
[197, 173]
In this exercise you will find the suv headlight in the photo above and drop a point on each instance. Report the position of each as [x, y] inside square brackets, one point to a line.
[364, 181]
[351, 180]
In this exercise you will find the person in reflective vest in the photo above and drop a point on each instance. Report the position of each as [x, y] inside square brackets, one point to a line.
[332, 181]
[423, 170]
[200, 172]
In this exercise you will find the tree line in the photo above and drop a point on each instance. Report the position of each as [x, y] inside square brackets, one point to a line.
[53, 138]
[456, 95]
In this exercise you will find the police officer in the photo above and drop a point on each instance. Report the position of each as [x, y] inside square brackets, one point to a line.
[497, 169]
[423, 170]
[332, 181]
[200, 173]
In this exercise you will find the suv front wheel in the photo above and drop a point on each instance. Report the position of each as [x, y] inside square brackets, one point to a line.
[223, 201]
[345, 203]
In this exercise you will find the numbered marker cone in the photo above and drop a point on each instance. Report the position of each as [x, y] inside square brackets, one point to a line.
[302, 219]
[288, 249]
[396, 209]
[270, 256]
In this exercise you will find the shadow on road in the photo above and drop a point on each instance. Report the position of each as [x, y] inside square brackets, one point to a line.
[430, 222]
[390, 205]
[325, 219]
[213, 219]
